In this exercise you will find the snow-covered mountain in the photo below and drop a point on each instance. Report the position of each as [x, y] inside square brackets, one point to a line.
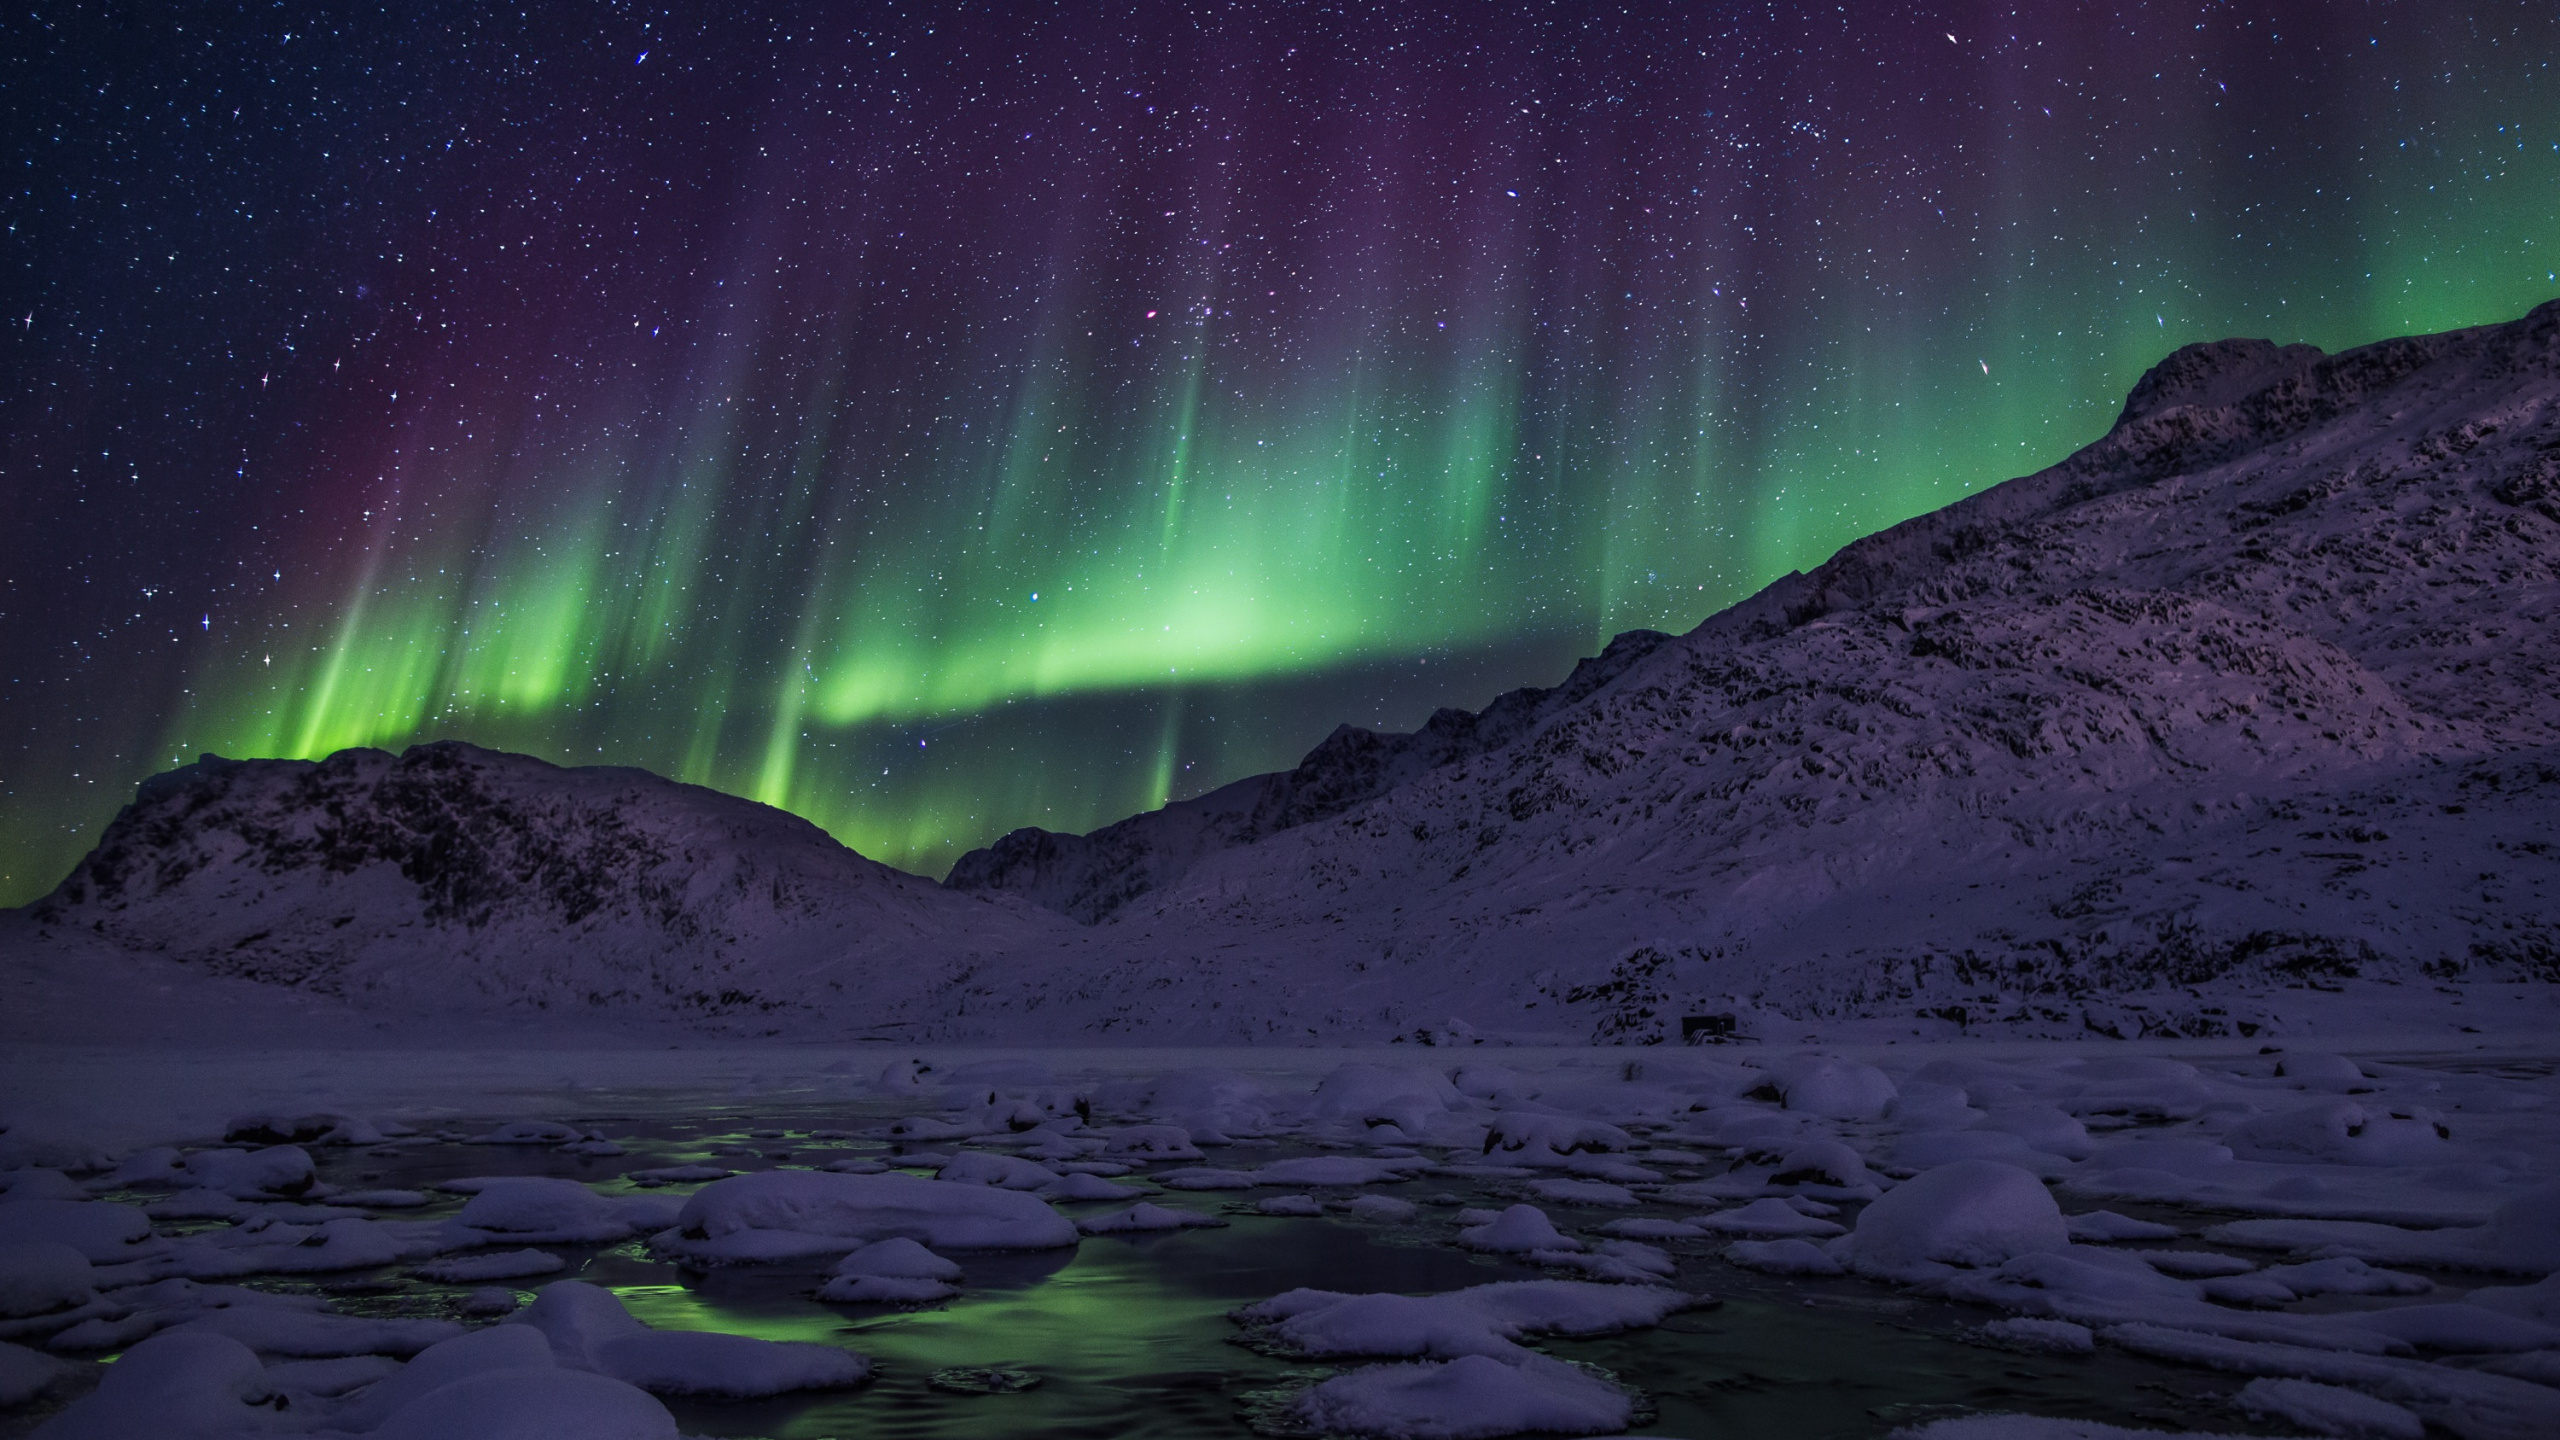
[2255, 693]
[1090, 876]
[455, 875]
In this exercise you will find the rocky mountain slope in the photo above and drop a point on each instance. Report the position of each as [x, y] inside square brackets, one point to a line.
[2255, 692]
[455, 875]
[2253, 695]
[1090, 876]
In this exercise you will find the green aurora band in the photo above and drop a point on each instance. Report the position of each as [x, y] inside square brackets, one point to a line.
[928, 515]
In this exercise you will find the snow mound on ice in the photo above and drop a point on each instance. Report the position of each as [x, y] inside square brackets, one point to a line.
[174, 1385]
[504, 1265]
[1479, 1320]
[1142, 1217]
[1783, 1257]
[589, 1330]
[532, 1404]
[1517, 1230]
[777, 1214]
[1972, 1212]
[41, 1275]
[2328, 1410]
[891, 1272]
[24, 1374]
[1464, 1399]
[2039, 1427]
[544, 1210]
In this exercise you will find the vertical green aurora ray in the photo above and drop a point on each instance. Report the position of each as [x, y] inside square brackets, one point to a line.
[1702, 326]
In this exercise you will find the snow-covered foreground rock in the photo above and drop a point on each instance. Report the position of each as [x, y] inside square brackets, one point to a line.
[2247, 707]
[1582, 1242]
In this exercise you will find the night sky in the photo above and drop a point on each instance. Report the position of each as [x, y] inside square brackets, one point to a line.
[942, 418]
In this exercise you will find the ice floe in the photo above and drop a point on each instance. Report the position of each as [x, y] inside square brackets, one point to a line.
[778, 1214]
[1142, 1217]
[1471, 1398]
[588, 1329]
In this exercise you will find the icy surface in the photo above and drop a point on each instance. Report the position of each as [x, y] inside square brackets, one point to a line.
[2356, 1289]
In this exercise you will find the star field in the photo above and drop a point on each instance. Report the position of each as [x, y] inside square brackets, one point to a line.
[941, 418]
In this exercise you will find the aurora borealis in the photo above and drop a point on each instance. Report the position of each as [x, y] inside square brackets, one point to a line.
[942, 418]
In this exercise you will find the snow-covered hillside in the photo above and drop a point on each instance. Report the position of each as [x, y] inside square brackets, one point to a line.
[2253, 696]
[2256, 691]
[455, 875]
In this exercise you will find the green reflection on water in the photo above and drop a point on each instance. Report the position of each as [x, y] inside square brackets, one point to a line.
[1130, 1337]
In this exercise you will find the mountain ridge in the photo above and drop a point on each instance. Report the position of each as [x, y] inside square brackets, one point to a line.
[2254, 693]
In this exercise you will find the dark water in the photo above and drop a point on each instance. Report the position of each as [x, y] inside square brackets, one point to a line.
[1129, 1336]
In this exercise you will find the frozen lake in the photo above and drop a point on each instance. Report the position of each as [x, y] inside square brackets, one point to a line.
[1702, 1177]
